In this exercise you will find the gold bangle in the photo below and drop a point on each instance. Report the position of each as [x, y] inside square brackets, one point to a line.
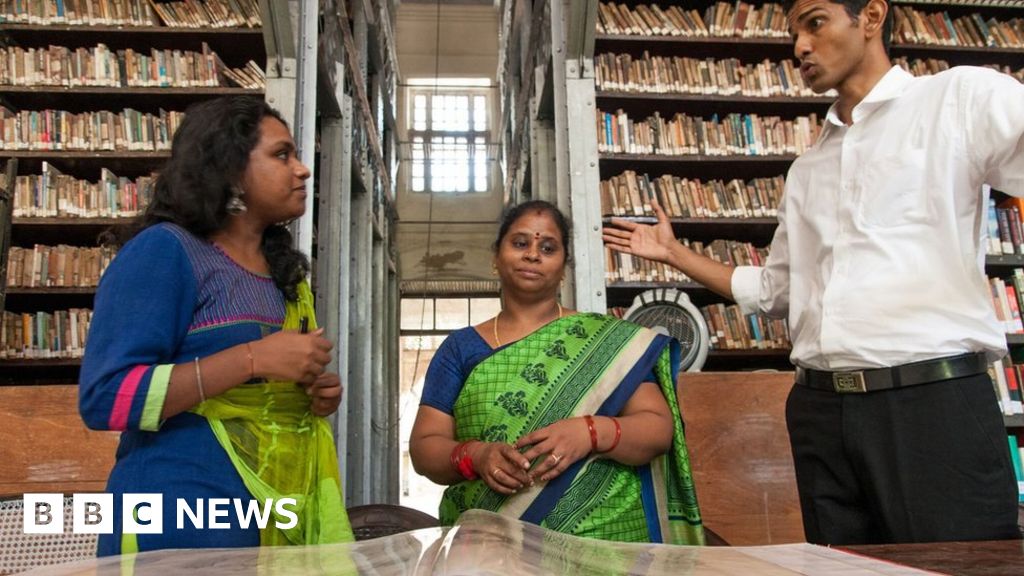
[199, 382]
[252, 361]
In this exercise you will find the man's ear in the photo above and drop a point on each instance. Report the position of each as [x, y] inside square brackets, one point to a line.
[873, 15]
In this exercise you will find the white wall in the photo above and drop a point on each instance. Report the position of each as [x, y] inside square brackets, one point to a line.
[469, 40]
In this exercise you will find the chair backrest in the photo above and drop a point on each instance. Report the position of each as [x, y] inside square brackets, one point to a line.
[739, 449]
[20, 551]
[376, 520]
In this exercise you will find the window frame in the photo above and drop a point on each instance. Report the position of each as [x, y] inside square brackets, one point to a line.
[476, 141]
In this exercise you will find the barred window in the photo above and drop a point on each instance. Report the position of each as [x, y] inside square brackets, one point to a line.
[449, 134]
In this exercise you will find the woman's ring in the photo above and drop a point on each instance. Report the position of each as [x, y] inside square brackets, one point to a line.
[495, 471]
[555, 457]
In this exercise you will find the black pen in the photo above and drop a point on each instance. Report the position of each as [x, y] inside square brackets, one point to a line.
[304, 325]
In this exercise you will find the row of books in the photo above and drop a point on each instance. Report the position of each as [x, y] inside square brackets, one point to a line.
[731, 329]
[733, 135]
[979, 3]
[100, 66]
[1006, 377]
[249, 76]
[1008, 300]
[129, 130]
[629, 194]
[1017, 457]
[39, 335]
[681, 75]
[916, 27]
[97, 12]
[57, 266]
[722, 19]
[1005, 230]
[209, 13]
[53, 194]
[929, 66]
[190, 13]
[620, 267]
[653, 74]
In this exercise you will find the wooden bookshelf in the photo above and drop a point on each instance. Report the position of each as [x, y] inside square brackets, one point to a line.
[234, 47]
[39, 362]
[94, 155]
[232, 44]
[695, 165]
[1004, 261]
[639, 104]
[69, 221]
[51, 290]
[144, 99]
[705, 104]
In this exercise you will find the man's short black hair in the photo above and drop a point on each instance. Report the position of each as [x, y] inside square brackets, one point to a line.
[853, 8]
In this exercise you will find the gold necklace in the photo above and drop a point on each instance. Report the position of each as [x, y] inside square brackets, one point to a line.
[498, 340]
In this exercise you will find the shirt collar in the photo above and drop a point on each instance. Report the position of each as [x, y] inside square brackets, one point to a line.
[887, 88]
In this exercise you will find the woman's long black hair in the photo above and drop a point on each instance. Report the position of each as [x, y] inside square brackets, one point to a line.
[209, 154]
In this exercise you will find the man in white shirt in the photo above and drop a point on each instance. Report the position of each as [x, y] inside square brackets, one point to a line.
[878, 261]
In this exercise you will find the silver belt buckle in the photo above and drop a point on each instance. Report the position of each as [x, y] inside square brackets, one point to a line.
[848, 382]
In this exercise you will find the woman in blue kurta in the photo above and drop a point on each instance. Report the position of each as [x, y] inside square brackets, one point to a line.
[195, 347]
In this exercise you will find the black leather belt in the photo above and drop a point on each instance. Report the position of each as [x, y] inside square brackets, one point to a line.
[925, 372]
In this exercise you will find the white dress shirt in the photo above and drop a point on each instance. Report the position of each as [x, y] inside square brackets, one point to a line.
[879, 255]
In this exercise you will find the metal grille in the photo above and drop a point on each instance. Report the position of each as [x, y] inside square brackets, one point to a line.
[20, 551]
[677, 321]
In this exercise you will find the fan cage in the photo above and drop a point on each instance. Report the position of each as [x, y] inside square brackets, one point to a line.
[671, 311]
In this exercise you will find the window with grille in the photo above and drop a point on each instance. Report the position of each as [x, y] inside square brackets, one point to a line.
[449, 133]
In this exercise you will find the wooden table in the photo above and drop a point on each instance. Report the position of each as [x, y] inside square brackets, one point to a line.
[992, 558]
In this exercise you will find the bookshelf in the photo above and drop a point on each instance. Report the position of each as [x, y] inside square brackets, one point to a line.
[651, 91]
[667, 81]
[331, 72]
[145, 64]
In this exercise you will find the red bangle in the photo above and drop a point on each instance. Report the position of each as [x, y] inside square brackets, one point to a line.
[593, 432]
[463, 462]
[618, 436]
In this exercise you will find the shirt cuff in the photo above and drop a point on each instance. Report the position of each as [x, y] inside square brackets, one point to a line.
[746, 288]
[155, 397]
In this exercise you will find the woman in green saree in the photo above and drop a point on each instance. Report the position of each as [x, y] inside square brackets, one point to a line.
[563, 419]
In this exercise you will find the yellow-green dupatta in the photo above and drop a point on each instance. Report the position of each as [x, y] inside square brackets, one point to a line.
[281, 450]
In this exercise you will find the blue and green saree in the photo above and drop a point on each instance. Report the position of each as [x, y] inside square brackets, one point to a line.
[577, 365]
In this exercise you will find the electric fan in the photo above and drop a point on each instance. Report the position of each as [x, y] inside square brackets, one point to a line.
[670, 311]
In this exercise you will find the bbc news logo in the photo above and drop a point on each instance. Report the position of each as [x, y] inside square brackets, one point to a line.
[144, 513]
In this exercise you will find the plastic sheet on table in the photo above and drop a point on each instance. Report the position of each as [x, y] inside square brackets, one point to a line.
[483, 543]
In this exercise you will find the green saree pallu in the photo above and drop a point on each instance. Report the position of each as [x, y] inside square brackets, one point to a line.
[577, 365]
[281, 450]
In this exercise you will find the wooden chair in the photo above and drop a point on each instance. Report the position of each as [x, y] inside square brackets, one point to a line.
[376, 520]
[60, 454]
[739, 449]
